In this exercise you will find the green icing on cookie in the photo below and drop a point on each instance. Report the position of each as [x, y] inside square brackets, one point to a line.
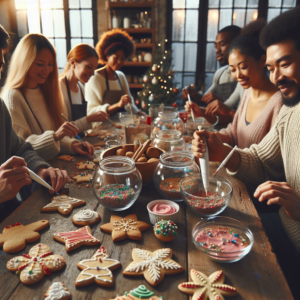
[141, 292]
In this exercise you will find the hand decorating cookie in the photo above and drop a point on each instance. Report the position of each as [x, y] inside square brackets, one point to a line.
[33, 266]
[86, 165]
[15, 236]
[203, 287]
[140, 292]
[153, 265]
[165, 231]
[122, 228]
[57, 291]
[63, 204]
[77, 238]
[85, 217]
[65, 157]
[98, 269]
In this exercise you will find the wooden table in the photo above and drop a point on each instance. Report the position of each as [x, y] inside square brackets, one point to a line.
[257, 276]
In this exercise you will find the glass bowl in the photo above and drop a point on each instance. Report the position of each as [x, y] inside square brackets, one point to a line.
[223, 239]
[117, 182]
[126, 119]
[193, 194]
[191, 127]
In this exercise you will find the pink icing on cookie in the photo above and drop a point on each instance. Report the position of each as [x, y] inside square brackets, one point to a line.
[163, 209]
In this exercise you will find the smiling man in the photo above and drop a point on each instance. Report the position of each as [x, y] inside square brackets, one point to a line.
[274, 164]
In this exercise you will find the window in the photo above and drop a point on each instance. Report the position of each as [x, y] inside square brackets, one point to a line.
[65, 22]
[276, 7]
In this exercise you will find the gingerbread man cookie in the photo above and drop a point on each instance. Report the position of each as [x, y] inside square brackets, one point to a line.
[140, 292]
[63, 204]
[15, 236]
[86, 217]
[83, 178]
[153, 265]
[122, 228]
[77, 238]
[97, 269]
[65, 157]
[86, 165]
[203, 287]
[33, 266]
[57, 291]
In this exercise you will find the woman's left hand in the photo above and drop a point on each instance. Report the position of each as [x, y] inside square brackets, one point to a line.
[125, 99]
[78, 148]
[217, 107]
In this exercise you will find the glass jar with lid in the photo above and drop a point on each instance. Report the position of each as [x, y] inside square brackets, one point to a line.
[117, 183]
[167, 121]
[173, 166]
[169, 140]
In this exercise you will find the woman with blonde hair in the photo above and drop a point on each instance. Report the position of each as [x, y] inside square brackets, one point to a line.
[33, 97]
[82, 61]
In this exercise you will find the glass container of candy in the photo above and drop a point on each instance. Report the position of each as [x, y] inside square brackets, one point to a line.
[167, 121]
[117, 183]
[172, 168]
[169, 140]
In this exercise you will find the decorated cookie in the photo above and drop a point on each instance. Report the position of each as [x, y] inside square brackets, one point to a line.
[33, 266]
[153, 265]
[15, 236]
[99, 144]
[92, 134]
[122, 228]
[83, 178]
[85, 217]
[139, 293]
[65, 157]
[57, 291]
[63, 204]
[77, 238]
[165, 231]
[86, 165]
[97, 269]
[203, 287]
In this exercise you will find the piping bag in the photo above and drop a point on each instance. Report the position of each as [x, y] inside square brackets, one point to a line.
[204, 165]
[39, 180]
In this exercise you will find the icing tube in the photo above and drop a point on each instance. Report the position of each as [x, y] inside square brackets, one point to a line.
[204, 166]
[39, 180]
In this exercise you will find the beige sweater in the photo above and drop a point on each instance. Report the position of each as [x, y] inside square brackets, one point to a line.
[26, 126]
[277, 158]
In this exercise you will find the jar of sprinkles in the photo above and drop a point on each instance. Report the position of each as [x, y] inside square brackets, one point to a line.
[117, 183]
[172, 168]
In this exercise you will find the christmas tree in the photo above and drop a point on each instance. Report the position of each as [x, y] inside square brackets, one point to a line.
[158, 81]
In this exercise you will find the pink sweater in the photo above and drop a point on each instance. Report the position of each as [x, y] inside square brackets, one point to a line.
[244, 135]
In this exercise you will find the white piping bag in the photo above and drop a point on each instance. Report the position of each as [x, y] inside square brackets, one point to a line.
[204, 165]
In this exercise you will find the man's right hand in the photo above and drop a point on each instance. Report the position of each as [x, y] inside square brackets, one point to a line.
[13, 176]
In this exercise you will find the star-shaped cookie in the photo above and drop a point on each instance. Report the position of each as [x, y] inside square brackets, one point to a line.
[15, 236]
[77, 238]
[97, 269]
[140, 292]
[83, 178]
[203, 287]
[153, 265]
[33, 266]
[63, 204]
[122, 228]
[86, 165]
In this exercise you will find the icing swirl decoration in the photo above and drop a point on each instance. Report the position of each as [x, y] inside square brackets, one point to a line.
[56, 292]
[163, 209]
[86, 215]
[142, 292]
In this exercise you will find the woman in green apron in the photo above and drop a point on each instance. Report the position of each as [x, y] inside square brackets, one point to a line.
[108, 90]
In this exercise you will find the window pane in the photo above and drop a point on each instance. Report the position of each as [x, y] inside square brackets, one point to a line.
[208, 81]
[59, 23]
[178, 3]
[86, 3]
[52, 41]
[188, 79]
[75, 23]
[251, 15]
[225, 18]
[213, 3]
[87, 23]
[32, 4]
[240, 3]
[61, 52]
[75, 42]
[46, 4]
[88, 41]
[73, 3]
[190, 57]
[192, 3]
[177, 59]
[22, 23]
[20, 4]
[289, 3]
[274, 3]
[34, 21]
[226, 3]
[47, 23]
[272, 13]
[178, 80]
[253, 3]
[210, 64]
[239, 17]
[178, 25]
[212, 26]
[57, 4]
[191, 29]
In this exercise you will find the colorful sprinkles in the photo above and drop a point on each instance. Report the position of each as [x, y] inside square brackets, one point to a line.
[166, 228]
[170, 187]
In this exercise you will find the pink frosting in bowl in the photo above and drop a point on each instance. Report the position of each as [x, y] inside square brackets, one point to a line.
[163, 209]
[159, 209]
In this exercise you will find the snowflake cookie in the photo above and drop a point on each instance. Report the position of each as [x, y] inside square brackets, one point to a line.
[57, 291]
[33, 266]
[140, 292]
[203, 287]
[153, 265]
[97, 269]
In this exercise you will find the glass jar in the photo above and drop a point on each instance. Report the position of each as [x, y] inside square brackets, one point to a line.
[167, 120]
[117, 183]
[172, 168]
[192, 126]
[169, 140]
[111, 144]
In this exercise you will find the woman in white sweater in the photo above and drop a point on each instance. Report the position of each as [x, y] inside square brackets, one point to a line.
[108, 90]
[33, 97]
[82, 62]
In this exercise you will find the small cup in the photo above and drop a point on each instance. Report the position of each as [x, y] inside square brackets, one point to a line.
[154, 217]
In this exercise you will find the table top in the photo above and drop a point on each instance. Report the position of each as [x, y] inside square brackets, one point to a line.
[256, 276]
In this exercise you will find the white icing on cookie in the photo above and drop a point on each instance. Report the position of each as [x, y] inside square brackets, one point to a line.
[56, 291]
[85, 215]
[62, 201]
